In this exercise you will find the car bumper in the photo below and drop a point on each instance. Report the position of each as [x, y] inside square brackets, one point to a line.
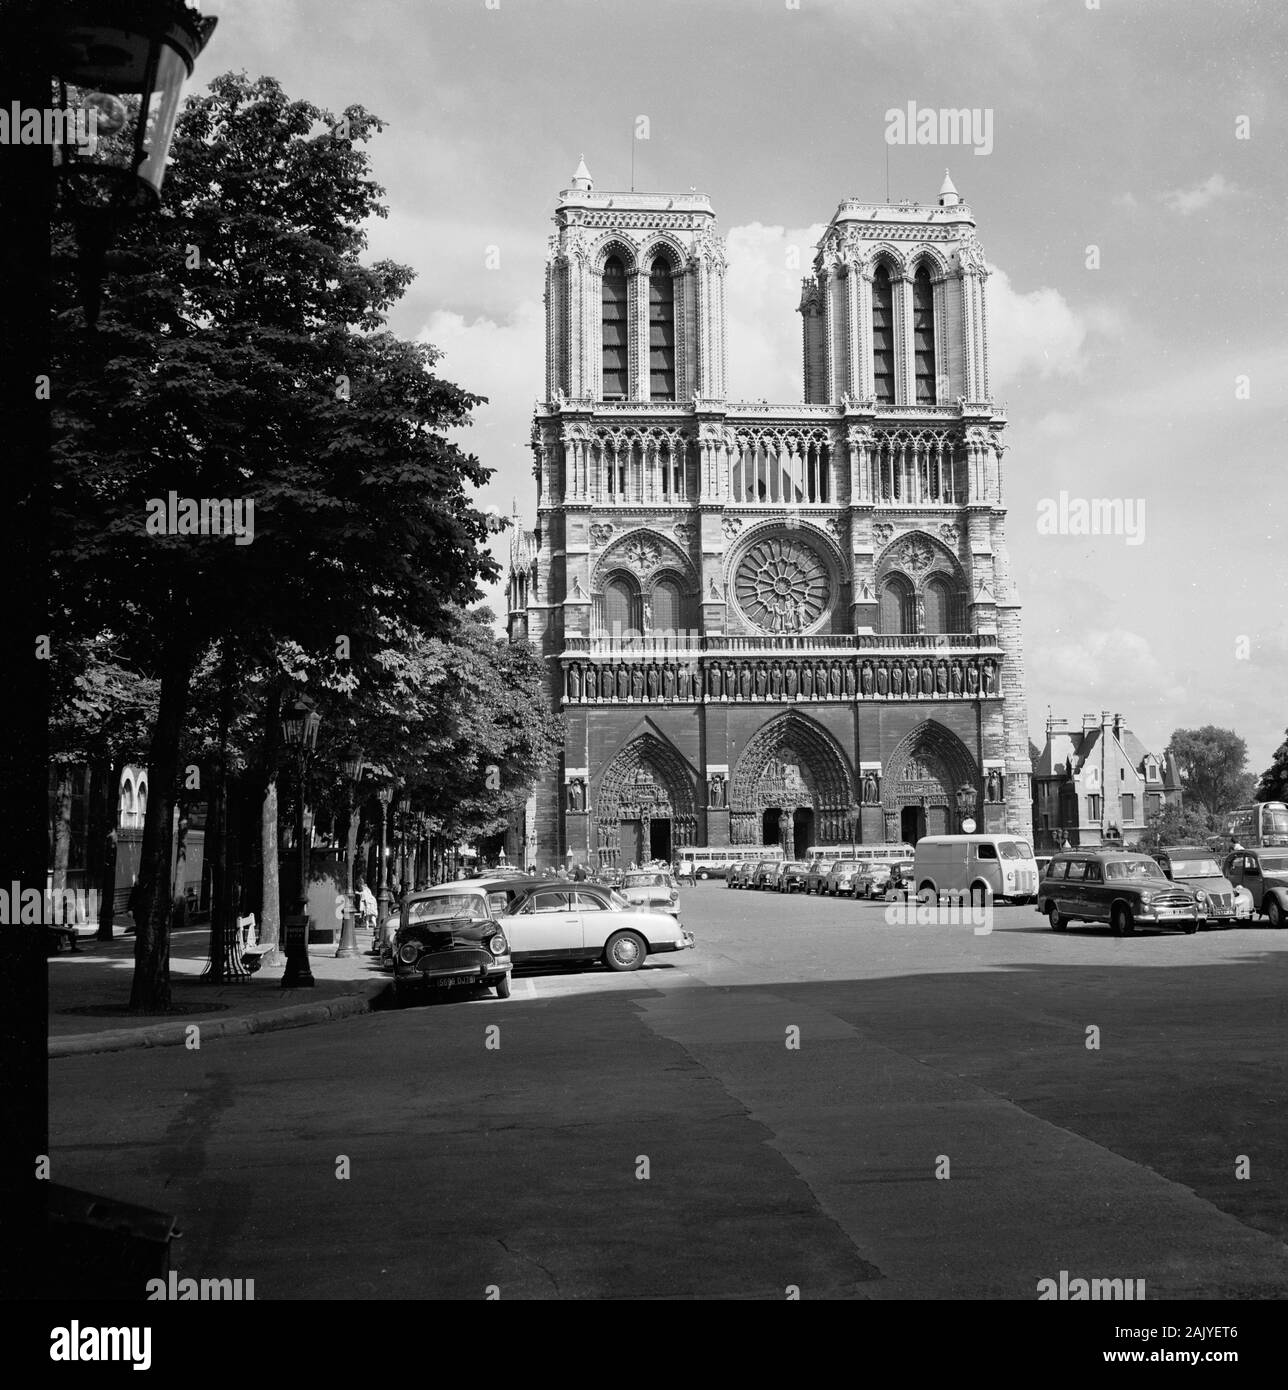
[686, 942]
[466, 967]
[1167, 919]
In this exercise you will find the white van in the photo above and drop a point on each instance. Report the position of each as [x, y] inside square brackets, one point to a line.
[976, 867]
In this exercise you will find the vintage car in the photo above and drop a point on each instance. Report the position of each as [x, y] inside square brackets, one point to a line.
[792, 876]
[744, 875]
[651, 888]
[1121, 888]
[550, 922]
[766, 874]
[1197, 868]
[872, 881]
[1264, 873]
[816, 876]
[449, 937]
[841, 877]
[899, 883]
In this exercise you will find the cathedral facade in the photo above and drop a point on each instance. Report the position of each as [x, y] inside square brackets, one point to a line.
[763, 623]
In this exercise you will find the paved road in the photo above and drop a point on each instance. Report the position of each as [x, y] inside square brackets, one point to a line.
[941, 1130]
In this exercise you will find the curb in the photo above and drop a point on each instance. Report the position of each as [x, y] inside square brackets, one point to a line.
[175, 1034]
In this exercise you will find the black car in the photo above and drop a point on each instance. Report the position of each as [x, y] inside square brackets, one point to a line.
[794, 877]
[1119, 888]
[448, 937]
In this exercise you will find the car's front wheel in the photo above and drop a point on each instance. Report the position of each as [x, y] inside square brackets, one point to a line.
[625, 950]
[1275, 913]
[502, 987]
[1120, 921]
[1053, 916]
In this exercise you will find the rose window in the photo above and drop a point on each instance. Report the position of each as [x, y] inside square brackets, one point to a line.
[782, 585]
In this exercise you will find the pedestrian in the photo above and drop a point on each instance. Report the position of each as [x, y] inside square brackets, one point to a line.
[366, 905]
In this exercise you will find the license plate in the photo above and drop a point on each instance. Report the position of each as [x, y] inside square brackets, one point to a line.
[443, 981]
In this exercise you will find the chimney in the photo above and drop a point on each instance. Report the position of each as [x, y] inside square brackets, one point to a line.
[1088, 722]
[1118, 725]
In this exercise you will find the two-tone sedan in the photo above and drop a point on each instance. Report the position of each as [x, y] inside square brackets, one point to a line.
[651, 888]
[842, 876]
[549, 922]
[449, 937]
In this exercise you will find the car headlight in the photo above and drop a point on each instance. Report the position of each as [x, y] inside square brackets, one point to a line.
[1203, 899]
[408, 952]
[498, 945]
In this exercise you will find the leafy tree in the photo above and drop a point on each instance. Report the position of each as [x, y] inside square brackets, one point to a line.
[241, 355]
[1212, 762]
[1273, 782]
[1175, 825]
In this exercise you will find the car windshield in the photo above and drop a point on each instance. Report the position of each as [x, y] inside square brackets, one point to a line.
[1275, 822]
[448, 905]
[1014, 849]
[1195, 868]
[1274, 863]
[1133, 868]
[617, 898]
[643, 880]
[794, 864]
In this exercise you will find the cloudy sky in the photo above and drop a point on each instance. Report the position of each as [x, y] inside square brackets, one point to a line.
[1152, 369]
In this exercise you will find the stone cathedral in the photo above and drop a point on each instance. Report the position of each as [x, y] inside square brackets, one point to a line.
[767, 623]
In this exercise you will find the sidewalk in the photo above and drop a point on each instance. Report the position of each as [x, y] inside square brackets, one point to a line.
[89, 991]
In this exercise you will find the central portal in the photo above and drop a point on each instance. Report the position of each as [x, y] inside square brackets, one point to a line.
[659, 840]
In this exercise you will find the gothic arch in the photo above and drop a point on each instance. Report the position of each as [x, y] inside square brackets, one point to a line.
[661, 246]
[883, 251]
[647, 780]
[643, 553]
[934, 261]
[614, 244]
[823, 783]
[926, 770]
[919, 555]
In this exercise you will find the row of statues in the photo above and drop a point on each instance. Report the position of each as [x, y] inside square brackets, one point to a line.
[882, 678]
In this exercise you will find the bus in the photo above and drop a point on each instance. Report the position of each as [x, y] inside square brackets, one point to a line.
[1262, 823]
[715, 863]
[866, 854]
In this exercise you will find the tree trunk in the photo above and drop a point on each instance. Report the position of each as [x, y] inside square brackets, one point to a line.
[270, 914]
[150, 991]
[62, 825]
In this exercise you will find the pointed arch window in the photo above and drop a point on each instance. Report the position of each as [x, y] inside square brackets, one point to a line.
[923, 335]
[945, 611]
[883, 335]
[898, 609]
[622, 611]
[614, 330]
[668, 605]
[661, 332]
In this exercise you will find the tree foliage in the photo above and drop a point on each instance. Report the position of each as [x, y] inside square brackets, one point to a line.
[1272, 785]
[1212, 763]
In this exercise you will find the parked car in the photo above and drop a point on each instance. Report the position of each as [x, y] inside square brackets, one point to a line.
[651, 888]
[902, 877]
[766, 874]
[1120, 888]
[841, 877]
[547, 922]
[792, 876]
[448, 937]
[1264, 873]
[816, 877]
[873, 880]
[1197, 868]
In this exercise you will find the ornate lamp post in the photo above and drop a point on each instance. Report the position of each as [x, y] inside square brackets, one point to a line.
[300, 723]
[353, 766]
[120, 66]
[384, 794]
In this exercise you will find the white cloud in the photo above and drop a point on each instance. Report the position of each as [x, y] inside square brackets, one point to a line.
[762, 291]
[1188, 200]
[1034, 332]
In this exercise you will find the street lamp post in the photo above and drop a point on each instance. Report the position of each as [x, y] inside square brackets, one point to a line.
[119, 66]
[421, 866]
[353, 765]
[300, 722]
[384, 794]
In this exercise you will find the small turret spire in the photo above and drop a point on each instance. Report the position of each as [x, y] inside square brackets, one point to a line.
[947, 193]
[582, 179]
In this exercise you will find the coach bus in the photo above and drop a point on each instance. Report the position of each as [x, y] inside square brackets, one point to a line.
[866, 854]
[1262, 823]
[716, 863]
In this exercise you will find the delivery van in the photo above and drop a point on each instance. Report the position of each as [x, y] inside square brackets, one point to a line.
[976, 868]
